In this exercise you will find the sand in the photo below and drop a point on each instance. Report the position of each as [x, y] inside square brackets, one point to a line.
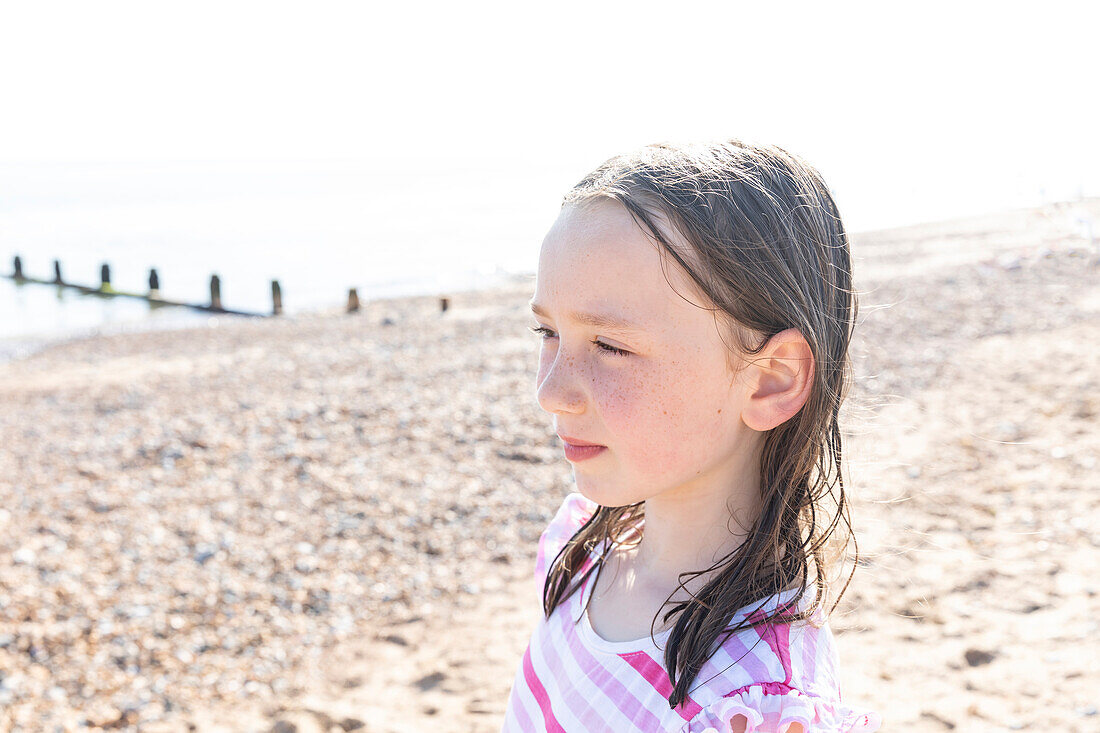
[328, 522]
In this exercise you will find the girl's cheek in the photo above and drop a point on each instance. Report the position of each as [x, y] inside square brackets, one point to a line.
[614, 402]
[624, 397]
[665, 415]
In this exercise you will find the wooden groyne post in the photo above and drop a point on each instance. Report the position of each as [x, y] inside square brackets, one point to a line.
[215, 293]
[276, 298]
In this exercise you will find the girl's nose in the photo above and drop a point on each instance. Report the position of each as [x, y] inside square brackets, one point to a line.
[558, 390]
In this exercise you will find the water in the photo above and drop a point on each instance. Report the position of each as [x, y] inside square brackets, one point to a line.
[386, 229]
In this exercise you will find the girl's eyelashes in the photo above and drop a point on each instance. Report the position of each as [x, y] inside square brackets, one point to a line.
[546, 333]
[543, 331]
[611, 349]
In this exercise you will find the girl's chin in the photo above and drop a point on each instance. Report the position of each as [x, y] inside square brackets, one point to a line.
[607, 497]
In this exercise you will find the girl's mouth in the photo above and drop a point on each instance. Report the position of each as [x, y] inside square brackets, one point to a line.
[576, 453]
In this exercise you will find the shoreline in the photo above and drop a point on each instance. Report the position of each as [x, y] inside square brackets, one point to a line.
[16, 348]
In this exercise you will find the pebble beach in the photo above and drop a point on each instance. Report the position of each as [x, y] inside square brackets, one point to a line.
[328, 522]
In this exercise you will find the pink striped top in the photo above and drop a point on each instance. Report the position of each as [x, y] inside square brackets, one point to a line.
[571, 679]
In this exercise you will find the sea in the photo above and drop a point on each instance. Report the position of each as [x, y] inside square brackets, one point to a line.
[385, 228]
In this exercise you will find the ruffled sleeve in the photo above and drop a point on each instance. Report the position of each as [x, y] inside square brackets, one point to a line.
[572, 513]
[774, 708]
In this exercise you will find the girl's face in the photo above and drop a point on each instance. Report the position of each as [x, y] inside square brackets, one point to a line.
[668, 409]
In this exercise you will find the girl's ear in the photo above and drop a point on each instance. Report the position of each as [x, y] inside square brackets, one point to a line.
[779, 380]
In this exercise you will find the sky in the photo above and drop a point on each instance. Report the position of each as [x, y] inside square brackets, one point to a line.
[911, 111]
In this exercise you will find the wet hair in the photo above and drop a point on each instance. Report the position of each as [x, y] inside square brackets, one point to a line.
[766, 248]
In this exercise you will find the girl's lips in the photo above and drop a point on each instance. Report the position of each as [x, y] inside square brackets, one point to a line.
[574, 441]
[576, 453]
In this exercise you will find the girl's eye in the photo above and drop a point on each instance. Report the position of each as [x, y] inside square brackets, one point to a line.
[543, 331]
[611, 349]
[546, 333]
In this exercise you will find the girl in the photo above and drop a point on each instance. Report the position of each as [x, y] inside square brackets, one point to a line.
[695, 306]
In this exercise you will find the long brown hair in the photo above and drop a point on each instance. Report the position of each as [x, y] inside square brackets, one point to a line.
[767, 248]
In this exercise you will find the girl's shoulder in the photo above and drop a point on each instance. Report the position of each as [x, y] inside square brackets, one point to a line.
[574, 511]
[774, 675]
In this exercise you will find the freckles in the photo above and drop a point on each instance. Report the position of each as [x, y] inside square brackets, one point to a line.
[620, 397]
[681, 420]
[654, 421]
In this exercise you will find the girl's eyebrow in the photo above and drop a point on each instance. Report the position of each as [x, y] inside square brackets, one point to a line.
[597, 320]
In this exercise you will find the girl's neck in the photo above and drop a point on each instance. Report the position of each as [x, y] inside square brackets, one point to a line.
[690, 530]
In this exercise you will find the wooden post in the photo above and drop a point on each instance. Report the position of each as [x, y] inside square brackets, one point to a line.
[353, 301]
[105, 277]
[57, 273]
[17, 265]
[444, 304]
[154, 283]
[215, 293]
[276, 298]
